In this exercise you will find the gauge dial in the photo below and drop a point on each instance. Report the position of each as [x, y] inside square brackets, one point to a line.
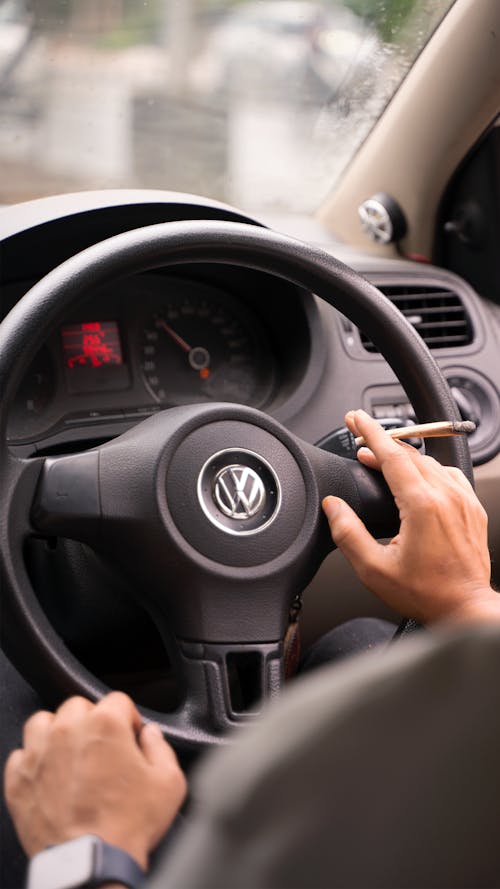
[33, 396]
[199, 346]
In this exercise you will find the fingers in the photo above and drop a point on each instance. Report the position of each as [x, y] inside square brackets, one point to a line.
[429, 468]
[115, 706]
[395, 463]
[154, 747]
[350, 534]
[73, 708]
[12, 772]
[350, 420]
[165, 766]
[117, 710]
[458, 476]
[367, 458]
[36, 729]
[162, 758]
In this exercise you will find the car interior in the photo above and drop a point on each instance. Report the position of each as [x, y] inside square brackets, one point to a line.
[151, 331]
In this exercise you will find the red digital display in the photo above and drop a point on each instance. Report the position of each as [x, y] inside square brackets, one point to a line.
[91, 344]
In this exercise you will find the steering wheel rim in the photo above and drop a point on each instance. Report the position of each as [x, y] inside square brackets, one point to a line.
[30, 641]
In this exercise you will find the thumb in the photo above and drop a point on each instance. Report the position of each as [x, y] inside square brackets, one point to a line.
[154, 747]
[349, 534]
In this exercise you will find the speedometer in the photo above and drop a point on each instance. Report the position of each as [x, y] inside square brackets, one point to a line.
[199, 345]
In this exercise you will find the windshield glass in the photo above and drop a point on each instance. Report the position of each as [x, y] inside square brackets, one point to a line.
[260, 104]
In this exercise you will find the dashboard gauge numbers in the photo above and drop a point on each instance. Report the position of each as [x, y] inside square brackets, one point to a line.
[34, 395]
[198, 346]
[149, 359]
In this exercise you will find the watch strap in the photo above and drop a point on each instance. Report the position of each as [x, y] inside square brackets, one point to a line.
[85, 862]
[113, 865]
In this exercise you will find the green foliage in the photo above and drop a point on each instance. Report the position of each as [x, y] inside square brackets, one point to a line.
[139, 23]
[140, 19]
[388, 16]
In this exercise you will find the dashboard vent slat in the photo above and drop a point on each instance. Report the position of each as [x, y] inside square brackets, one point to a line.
[437, 314]
[433, 310]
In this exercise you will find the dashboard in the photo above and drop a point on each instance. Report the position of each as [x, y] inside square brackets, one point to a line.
[220, 333]
[155, 341]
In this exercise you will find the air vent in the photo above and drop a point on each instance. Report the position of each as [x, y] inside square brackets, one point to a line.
[438, 315]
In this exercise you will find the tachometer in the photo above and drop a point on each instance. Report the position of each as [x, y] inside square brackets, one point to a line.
[33, 396]
[200, 346]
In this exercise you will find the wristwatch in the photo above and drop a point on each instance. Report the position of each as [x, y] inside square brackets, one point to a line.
[85, 862]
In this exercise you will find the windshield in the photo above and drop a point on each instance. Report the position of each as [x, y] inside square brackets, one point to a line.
[260, 104]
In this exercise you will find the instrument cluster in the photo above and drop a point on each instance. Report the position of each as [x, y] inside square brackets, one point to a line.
[147, 343]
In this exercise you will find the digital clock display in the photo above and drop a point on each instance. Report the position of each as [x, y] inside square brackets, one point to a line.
[91, 344]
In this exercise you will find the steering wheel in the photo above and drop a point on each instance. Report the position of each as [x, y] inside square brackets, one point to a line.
[213, 511]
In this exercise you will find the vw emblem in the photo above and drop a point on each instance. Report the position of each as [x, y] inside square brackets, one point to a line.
[239, 492]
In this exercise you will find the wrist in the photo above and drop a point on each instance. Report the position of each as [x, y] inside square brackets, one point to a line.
[483, 606]
[132, 846]
[86, 861]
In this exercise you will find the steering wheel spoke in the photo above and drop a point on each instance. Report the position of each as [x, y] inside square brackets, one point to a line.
[376, 508]
[365, 490]
[67, 501]
[227, 684]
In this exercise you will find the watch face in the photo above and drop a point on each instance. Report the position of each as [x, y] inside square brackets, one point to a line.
[65, 866]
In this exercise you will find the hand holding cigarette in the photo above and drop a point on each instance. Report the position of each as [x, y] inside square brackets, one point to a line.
[437, 567]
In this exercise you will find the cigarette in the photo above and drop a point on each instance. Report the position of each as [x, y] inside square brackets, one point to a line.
[442, 429]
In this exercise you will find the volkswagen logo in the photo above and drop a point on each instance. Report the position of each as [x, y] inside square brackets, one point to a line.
[239, 492]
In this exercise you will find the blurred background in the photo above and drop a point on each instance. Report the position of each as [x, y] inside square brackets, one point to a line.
[260, 103]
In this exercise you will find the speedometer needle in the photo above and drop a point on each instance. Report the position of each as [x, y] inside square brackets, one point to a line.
[175, 336]
[198, 356]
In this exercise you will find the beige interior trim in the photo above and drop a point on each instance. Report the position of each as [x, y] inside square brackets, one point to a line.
[487, 479]
[448, 99]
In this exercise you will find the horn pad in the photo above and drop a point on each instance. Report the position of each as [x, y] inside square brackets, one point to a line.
[236, 493]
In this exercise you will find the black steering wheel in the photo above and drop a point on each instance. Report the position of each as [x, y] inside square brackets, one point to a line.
[213, 511]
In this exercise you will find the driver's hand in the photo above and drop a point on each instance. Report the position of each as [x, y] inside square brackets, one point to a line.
[93, 768]
[438, 566]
